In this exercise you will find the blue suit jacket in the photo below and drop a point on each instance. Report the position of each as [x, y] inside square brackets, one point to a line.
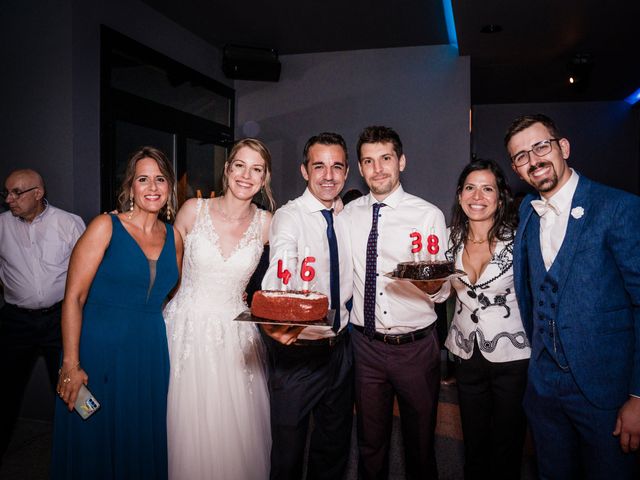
[598, 298]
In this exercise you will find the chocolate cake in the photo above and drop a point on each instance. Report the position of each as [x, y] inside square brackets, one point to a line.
[296, 306]
[424, 270]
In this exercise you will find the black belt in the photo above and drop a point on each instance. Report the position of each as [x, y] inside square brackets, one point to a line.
[36, 311]
[402, 338]
[321, 342]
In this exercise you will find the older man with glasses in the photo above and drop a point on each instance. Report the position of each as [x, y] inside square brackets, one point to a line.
[36, 240]
[577, 280]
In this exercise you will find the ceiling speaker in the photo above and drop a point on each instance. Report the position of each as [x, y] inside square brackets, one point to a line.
[249, 63]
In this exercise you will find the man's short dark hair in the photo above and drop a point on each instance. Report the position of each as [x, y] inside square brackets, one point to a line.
[325, 138]
[525, 121]
[380, 134]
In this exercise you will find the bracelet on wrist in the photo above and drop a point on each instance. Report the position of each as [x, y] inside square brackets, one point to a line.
[65, 376]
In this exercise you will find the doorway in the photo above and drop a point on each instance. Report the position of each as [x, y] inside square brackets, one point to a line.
[150, 99]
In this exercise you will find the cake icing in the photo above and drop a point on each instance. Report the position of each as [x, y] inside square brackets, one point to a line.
[298, 306]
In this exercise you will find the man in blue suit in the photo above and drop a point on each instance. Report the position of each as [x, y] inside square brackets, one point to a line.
[577, 279]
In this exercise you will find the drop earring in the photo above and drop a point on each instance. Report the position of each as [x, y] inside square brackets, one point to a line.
[168, 213]
[130, 216]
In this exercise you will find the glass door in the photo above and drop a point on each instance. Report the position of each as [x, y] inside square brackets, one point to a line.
[200, 173]
[150, 99]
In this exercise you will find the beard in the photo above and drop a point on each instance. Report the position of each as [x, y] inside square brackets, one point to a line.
[381, 189]
[385, 187]
[547, 184]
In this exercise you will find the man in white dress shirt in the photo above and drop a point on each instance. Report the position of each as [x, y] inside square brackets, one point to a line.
[396, 351]
[310, 368]
[36, 240]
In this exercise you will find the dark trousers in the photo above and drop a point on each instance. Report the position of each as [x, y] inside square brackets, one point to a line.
[411, 372]
[493, 421]
[305, 380]
[24, 337]
[572, 437]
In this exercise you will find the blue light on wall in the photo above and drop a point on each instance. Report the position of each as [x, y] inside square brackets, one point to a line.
[451, 23]
[633, 98]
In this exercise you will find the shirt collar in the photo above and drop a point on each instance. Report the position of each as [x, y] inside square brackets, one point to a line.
[40, 216]
[392, 200]
[312, 203]
[563, 197]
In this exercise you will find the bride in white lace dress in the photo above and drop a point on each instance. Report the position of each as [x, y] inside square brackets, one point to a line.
[218, 406]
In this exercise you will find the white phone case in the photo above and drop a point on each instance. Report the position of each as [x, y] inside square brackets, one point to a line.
[86, 404]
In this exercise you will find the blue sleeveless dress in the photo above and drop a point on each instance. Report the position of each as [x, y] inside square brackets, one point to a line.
[123, 349]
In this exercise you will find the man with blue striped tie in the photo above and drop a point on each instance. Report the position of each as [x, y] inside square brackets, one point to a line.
[310, 369]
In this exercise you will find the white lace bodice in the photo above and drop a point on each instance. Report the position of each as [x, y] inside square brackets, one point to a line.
[208, 276]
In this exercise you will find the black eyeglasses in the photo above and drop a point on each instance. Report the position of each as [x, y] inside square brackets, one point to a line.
[15, 192]
[539, 149]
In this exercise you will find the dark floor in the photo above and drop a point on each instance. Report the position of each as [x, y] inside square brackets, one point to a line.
[29, 453]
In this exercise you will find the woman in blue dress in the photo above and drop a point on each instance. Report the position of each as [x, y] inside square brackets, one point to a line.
[113, 333]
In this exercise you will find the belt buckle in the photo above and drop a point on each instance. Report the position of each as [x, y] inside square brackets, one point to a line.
[392, 339]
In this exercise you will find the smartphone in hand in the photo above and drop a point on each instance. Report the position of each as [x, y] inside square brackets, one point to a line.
[86, 404]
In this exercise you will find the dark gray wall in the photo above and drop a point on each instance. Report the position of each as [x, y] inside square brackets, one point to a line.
[36, 121]
[422, 92]
[604, 137]
[51, 86]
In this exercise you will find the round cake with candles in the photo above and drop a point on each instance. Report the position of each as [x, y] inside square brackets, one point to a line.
[289, 306]
[435, 270]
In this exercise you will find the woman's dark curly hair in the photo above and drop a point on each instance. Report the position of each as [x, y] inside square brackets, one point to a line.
[505, 219]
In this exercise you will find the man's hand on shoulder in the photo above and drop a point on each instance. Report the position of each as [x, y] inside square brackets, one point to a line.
[628, 425]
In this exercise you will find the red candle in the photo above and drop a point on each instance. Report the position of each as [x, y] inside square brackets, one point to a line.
[283, 273]
[307, 273]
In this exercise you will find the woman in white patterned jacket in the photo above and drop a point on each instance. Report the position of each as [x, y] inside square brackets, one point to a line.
[486, 335]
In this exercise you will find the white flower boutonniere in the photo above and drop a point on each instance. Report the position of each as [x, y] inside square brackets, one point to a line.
[577, 212]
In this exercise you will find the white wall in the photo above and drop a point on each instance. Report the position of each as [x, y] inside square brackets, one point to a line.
[604, 137]
[422, 92]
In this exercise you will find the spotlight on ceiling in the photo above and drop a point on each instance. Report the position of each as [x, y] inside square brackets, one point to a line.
[579, 69]
[491, 28]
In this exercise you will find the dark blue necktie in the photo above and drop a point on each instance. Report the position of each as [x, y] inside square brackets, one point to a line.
[370, 275]
[334, 272]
